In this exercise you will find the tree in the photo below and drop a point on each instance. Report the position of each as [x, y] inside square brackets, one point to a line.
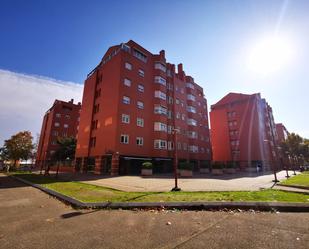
[295, 146]
[65, 151]
[18, 147]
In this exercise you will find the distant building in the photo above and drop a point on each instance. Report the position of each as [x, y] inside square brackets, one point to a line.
[61, 120]
[282, 132]
[243, 131]
[132, 103]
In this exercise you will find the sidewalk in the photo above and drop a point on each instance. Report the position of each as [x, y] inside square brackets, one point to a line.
[206, 182]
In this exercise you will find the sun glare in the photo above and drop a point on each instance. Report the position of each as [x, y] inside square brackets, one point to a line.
[270, 54]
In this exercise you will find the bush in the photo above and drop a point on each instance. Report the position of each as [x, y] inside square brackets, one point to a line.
[205, 164]
[147, 165]
[217, 165]
[185, 165]
[230, 165]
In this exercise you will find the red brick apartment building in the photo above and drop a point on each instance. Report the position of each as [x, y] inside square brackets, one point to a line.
[133, 102]
[282, 132]
[61, 120]
[243, 131]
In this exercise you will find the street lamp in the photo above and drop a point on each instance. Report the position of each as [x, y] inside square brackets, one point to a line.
[176, 188]
[274, 168]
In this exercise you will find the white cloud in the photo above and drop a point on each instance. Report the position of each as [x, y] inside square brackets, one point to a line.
[25, 98]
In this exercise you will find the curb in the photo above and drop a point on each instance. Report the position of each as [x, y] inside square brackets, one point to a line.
[259, 206]
[293, 186]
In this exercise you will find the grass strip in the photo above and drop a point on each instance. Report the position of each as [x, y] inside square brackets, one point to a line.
[92, 193]
[298, 180]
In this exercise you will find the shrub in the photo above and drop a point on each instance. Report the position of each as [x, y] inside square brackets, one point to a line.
[205, 164]
[185, 165]
[147, 165]
[230, 165]
[217, 165]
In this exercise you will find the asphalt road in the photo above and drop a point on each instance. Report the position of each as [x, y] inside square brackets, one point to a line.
[31, 219]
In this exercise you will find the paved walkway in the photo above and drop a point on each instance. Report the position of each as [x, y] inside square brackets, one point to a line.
[234, 182]
[31, 219]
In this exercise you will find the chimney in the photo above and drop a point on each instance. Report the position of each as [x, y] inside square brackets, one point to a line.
[180, 70]
[71, 101]
[79, 103]
[162, 53]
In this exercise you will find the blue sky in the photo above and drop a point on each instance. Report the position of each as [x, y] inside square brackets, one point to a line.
[64, 40]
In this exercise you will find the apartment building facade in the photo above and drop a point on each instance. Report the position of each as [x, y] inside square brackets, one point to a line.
[135, 105]
[243, 131]
[61, 120]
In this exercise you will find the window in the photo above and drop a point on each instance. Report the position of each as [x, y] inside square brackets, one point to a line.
[169, 129]
[191, 109]
[160, 80]
[124, 139]
[183, 116]
[158, 126]
[66, 126]
[178, 115]
[94, 124]
[159, 144]
[141, 72]
[170, 86]
[184, 146]
[55, 133]
[57, 124]
[54, 142]
[92, 142]
[127, 82]
[192, 134]
[177, 101]
[67, 116]
[64, 134]
[193, 148]
[140, 88]
[202, 150]
[160, 95]
[139, 141]
[170, 100]
[140, 122]
[140, 105]
[192, 122]
[160, 66]
[178, 146]
[128, 66]
[169, 114]
[126, 100]
[170, 145]
[125, 118]
[58, 115]
[97, 93]
[182, 90]
[96, 108]
[190, 85]
[139, 55]
[169, 73]
[190, 97]
[159, 109]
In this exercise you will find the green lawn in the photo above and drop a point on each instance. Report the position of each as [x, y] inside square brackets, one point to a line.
[298, 180]
[91, 193]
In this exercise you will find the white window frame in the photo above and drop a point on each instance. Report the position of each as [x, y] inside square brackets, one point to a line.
[140, 104]
[141, 72]
[158, 126]
[159, 109]
[160, 80]
[127, 82]
[126, 100]
[139, 141]
[56, 124]
[160, 95]
[125, 118]
[140, 88]
[65, 126]
[125, 139]
[140, 122]
[160, 66]
[160, 144]
[128, 66]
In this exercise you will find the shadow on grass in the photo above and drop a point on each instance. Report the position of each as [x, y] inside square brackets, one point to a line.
[143, 195]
